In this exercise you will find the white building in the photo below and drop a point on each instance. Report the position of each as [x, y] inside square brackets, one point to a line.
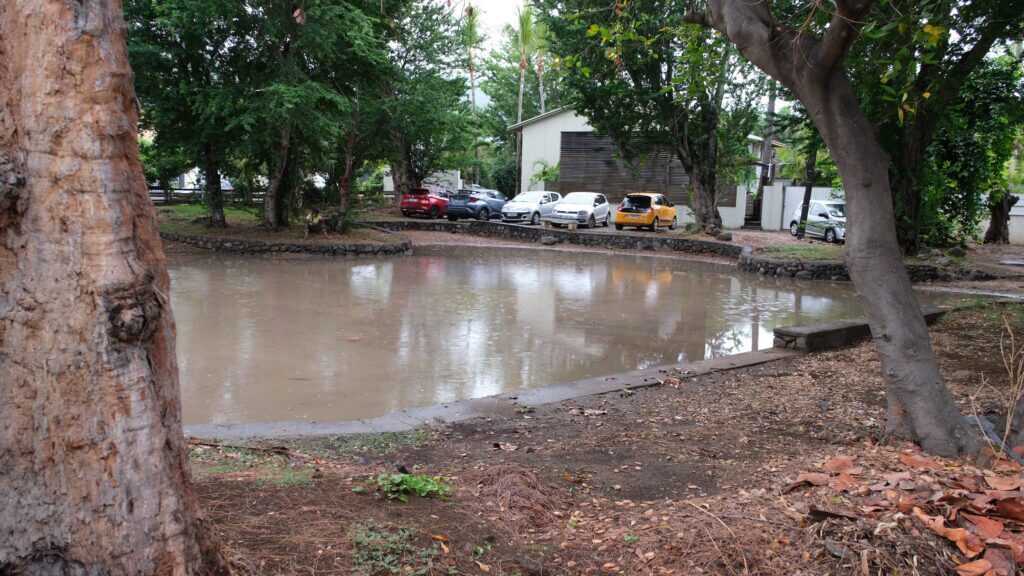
[449, 179]
[588, 162]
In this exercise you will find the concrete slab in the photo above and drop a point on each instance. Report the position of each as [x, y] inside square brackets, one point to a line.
[832, 335]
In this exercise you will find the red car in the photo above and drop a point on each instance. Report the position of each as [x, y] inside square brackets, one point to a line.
[428, 201]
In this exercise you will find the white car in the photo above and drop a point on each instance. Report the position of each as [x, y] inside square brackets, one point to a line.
[581, 208]
[826, 219]
[530, 206]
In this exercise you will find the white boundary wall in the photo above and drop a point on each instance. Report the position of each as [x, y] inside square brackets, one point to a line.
[781, 200]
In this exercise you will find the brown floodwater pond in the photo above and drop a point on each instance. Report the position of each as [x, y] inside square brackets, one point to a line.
[263, 340]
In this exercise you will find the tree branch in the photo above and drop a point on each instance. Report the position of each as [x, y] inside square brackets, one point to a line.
[842, 31]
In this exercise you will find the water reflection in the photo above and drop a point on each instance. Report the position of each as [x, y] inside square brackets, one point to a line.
[262, 340]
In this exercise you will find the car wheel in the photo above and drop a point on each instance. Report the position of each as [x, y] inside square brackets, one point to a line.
[434, 212]
[618, 226]
[830, 236]
[675, 222]
[607, 220]
[535, 219]
[655, 224]
[794, 228]
[484, 214]
[592, 223]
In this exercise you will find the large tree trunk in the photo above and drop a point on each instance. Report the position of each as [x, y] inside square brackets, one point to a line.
[272, 213]
[348, 168]
[705, 200]
[214, 194]
[999, 219]
[920, 405]
[93, 467]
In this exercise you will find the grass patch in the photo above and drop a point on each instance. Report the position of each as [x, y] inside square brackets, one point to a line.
[400, 486]
[814, 251]
[383, 551]
[369, 444]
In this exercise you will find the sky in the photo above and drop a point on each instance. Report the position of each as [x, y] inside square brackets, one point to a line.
[494, 15]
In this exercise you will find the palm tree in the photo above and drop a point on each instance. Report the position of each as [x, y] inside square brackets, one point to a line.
[526, 39]
[540, 44]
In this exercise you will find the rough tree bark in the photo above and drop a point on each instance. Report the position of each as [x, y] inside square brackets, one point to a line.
[998, 231]
[93, 468]
[272, 214]
[348, 163]
[214, 194]
[920, 405]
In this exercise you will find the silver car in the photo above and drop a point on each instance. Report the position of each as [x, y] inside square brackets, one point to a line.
[581, 208]
[530, 206]
[826, 219]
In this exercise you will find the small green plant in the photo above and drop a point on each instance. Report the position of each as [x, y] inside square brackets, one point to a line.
[381, 550]
[399, 486]
[630, 538]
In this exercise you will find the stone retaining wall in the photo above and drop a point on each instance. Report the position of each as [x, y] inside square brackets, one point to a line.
[832, 270]
[578, 237]
[261, 247]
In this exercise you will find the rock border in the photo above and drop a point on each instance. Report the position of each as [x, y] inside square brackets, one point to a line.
[551, 236]
[262, 247]
[836, 271]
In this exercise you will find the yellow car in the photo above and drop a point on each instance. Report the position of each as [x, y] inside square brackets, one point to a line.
[646, 210]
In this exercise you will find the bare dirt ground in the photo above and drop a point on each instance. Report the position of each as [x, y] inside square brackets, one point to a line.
[775, 469]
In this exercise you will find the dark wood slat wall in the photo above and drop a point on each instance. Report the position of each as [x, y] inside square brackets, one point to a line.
[588, 162]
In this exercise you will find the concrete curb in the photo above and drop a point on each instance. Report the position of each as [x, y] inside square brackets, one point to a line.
[504, 404]
[832, 335]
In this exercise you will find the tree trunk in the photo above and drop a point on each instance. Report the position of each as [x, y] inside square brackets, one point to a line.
[93, 467]
[345, 180]
[920, 406]
[767, 151]
[165, 185]
[272, 217]
[809, 176]
[540, 82]
[906, 189]
[705, 203]
[214, 195]
[999, 219]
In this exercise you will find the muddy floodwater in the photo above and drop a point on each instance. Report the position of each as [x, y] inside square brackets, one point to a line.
[263, 340]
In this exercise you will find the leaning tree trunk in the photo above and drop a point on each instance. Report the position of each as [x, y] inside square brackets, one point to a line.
[214, 194]
[93, 468]
[998, 231]
[920, 406]
[705, 201]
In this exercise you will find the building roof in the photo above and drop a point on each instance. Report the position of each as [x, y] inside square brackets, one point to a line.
[540, 117]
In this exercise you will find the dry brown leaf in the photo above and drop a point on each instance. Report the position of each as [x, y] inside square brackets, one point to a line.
[1011, 508]
[1003, 482]
[918, 461]
[807, 479]
[839, 464]
[985, 527]
[969, 544]
[976, 568]
[483, 567]
[1002, 561]
[843, 483]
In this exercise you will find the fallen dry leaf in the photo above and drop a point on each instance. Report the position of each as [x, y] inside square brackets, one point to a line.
[839, 464]
[843, 482]
[1002, 561]
[985, 527]
[483, 567]
[918, 461]
[968, 543]
[807, 479]
[976, 568]
[1011, 508]
[1003, 482]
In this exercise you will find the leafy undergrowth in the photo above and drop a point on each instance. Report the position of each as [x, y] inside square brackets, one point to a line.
[401, 485]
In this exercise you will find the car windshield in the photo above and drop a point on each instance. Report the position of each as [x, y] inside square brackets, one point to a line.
[837, 210]
[578, 198]
[636, 202]
[529, 197]
[418, 191]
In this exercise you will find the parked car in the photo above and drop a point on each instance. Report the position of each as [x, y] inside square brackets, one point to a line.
[479, 203]
[646, 210]
[427, 201]
[582, 208]
[530, 206]
[825, 219]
